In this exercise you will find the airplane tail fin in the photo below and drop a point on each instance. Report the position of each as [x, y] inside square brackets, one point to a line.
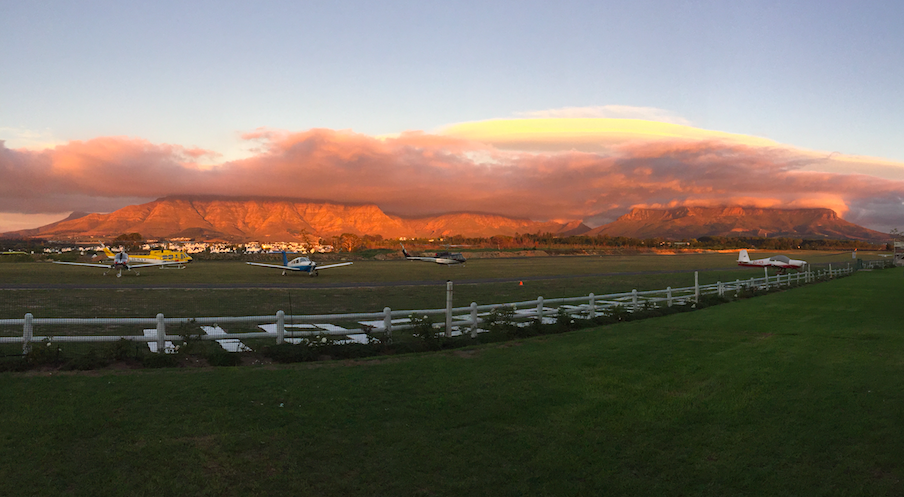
[742, 256]
[109, 253]
[285, 259]
[405, 252]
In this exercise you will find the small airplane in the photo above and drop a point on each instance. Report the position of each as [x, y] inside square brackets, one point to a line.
[302, 264]
[782, 262]
[445, 258]
[162, 258]
[120, 261]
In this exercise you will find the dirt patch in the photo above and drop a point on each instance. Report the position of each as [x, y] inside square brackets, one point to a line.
[465, 354]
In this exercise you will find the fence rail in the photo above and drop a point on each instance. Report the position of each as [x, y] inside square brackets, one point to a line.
[456, 318]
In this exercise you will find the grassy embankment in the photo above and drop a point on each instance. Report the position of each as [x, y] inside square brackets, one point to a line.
[793, 393]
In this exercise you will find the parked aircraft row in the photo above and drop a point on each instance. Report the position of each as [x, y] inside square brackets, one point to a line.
[178, 259]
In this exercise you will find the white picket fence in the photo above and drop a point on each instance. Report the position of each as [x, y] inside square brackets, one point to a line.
[458, 320]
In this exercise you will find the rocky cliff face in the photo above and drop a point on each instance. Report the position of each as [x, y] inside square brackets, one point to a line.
[693, 222]
[292, 220]
[281, 220]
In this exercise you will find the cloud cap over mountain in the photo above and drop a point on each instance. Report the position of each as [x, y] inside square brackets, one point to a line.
[578, 168]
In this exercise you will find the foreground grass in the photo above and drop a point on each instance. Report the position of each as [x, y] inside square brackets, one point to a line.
[795, 393]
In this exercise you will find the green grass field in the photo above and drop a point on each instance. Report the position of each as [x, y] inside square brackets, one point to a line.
[351, 289]
[793, 393]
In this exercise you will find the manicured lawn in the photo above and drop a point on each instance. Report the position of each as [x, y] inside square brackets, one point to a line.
[793, 393]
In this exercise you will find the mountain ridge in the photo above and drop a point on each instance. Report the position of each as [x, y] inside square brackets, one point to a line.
[680, 223]
[240, 220]
[265, 219]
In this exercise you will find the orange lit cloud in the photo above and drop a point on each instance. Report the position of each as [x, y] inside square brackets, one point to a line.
[566, 174]
[584, 134]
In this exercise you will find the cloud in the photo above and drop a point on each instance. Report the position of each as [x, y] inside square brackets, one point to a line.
[16, 222]
[461, 169]
[593, 135]
[608, 112]
[18, 137]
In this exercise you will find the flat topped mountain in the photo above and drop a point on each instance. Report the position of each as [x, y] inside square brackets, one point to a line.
[240, 220]
[694, 222]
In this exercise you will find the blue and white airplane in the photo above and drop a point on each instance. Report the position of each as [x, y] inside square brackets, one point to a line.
[299, 264]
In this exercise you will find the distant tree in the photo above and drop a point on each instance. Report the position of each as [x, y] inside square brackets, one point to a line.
[348, 242]
[131, 241]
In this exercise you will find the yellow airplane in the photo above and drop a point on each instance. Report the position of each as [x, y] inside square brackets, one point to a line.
[165, 258]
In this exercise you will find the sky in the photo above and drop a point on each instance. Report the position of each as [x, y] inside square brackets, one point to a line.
[550, 111]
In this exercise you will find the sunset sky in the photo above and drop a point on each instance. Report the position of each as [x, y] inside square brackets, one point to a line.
[551, 111]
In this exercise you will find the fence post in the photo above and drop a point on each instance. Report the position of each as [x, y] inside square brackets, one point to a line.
[721, 288]
[280, 327]
[634, 299]
[592, 313]
[697, 286]
[473, 319]
[539, 310]
[448, 308]
[28, 331]
[668, 294]
[161, 334]
[387, 323]
[830, 273]
[766, 271]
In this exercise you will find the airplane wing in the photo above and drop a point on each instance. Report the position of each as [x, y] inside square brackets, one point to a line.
[275, 266]
[428, 259]
[105, 266]
[156, 264]
[319, 267]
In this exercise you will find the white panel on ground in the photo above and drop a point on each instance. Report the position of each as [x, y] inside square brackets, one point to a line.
[228, 344]
[168, 347]
[378, 325]
[271, 328]
[576, 311]
[356, 338]
[330, 327]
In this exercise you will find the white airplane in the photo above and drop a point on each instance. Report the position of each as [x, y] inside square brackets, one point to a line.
[120, 262]
[299, 264]
[782, 262]
[446, 258]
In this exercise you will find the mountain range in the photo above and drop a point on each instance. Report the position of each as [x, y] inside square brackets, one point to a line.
[681, 223]
[241, 220]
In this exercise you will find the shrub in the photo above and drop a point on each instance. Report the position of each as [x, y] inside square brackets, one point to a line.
[223, 358]
[44, 353]
[288, 353]
[160, 360]
[501, 319]
[90, 360]
[16, 364]
[422, 327]
[121, 350]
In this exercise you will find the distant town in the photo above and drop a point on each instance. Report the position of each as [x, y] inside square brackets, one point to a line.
[195, 247]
